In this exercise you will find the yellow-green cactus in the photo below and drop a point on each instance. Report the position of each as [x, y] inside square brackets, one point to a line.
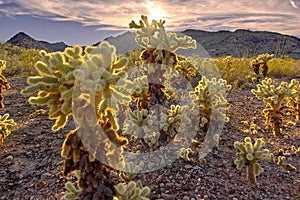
[259, 65]
[250, 155]
[141, 93]
[129, 172]
[5, 125]
[294, 102]
[54, 84]
[208, 98]
[176, 117]
[153, 36]
[4, 84]
[186, 154]
[103, 72]
[141, 122]
[144, 124]
[132, 191]
[274, 99]
[151, 139]
[159, 45]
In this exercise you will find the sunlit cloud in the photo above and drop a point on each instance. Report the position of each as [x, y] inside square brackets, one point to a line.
[271, 15]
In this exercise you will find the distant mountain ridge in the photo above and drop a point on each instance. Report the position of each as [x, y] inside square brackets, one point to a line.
[246, 43]
[239, 43]
[21, 39]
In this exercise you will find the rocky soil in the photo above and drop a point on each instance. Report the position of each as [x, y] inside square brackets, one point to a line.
[31, 165]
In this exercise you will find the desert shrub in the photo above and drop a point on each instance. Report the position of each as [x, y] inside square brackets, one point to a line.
[284, 68]
[234, 70]
[19, 61]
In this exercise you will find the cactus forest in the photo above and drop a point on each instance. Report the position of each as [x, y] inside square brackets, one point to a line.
[91, 123]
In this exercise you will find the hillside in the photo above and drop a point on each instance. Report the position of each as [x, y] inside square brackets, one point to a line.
[246, 43]
[240, 43]
[23, 40]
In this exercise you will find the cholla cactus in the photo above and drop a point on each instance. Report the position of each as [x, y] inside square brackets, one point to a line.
[4, 84]
[274, 99]
[141, 94]
[176, 117]
[104, 74]
[132, 191]
[209, 100]
[73, 192]
[130, 171]
[294, 102]
[55, 82]
[159, 45]
[154, 36]
[259, 65]
[144, 124]
[250, 155]
[187, 154]
[5, 125]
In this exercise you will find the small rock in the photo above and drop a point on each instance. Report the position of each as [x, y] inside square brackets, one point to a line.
[188, 166]
[186, 198]
[166, 196]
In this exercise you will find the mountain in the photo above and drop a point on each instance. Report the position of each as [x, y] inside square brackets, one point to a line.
[23, 40]
[240, 43]
[246, 43]
[123, 42]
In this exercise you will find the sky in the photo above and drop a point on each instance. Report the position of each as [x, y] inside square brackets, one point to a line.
[86, 22]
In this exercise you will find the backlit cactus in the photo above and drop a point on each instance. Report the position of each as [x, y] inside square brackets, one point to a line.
[250, 155]
[294, 102]
[132, 191]
[176, 117]
[208, 99]
[129, 172]
[54, 84]
[259, 65]
[4, 84]
[144, 124]
[5, 125]
[103, 73]
[159, 45]
[275, 99]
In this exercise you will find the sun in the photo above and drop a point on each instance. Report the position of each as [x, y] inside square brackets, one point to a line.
[155, 11]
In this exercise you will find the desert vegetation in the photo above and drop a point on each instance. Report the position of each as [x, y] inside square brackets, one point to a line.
[218, 114]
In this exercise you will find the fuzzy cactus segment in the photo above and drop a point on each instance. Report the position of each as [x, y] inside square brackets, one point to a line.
[274, 99]
[103, 73]
[132, 191]
[176, 119]
[54, 84]
[144, 124]
[153, 36]
[250, 155]
[210, 101]
[160, 45]
[5, 125]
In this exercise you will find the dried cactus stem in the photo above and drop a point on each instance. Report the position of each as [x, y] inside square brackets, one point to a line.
[251, 177]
